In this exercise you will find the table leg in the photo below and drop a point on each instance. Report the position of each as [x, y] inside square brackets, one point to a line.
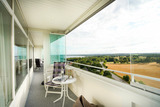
[64, 96]
[68, 95]
[62, 89]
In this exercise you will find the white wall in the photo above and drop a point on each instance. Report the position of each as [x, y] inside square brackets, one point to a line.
[31, 74]
[22, 93]
[110, 93]
[38, 52]
[46, 47]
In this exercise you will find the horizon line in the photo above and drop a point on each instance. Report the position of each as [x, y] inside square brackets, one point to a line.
[110, 54]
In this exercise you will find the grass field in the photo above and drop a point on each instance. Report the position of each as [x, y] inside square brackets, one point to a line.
[148, 69]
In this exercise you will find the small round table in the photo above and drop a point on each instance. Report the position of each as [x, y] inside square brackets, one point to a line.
[63, 81]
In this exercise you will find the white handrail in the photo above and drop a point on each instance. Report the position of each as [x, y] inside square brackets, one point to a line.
[132, 75]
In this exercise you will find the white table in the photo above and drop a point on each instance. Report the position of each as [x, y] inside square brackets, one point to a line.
[64, 89]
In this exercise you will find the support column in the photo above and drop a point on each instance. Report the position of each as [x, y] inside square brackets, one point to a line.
[12, 53]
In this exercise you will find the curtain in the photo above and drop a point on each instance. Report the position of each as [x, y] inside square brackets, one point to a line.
[5, 59]
[2, 63]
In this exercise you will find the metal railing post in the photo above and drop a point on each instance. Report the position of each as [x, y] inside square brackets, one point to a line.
[132, 77]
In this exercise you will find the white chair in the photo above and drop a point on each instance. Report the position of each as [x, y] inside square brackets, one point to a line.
[50, 74]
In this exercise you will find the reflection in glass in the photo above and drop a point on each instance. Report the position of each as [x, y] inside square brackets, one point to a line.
[20, 56]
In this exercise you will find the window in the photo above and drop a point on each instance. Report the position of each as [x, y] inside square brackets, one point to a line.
[5, 57]
[57, 48]
[20, 56]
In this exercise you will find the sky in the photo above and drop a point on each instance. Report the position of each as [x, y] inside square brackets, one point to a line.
[125, 26]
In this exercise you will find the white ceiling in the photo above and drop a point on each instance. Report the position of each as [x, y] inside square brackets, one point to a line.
[58, 16]
[53, 14]
[37, 37]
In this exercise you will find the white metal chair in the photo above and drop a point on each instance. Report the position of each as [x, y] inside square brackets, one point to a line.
[50, 74]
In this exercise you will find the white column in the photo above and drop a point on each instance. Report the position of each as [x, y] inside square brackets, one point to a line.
[12, 53]
[28, 59]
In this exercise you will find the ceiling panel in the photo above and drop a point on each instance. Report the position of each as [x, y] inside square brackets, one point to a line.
[53, 14]
[37, 37]
[58, 16]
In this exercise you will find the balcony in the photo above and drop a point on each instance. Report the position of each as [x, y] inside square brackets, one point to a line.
[97, 89]
[39, 30]
[105, 91]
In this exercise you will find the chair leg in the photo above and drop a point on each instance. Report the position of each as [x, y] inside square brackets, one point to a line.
[45, 87]
[46, 91]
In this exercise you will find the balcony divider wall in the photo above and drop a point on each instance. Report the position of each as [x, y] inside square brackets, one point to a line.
[57, 48]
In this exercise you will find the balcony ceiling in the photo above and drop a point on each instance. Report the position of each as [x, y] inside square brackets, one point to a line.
[37, 37]
[59, 16]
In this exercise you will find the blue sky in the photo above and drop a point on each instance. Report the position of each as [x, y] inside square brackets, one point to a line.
[125, 26]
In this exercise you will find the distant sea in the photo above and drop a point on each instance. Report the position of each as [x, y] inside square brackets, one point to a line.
[113, 54]
[86, 55]
[68, 56]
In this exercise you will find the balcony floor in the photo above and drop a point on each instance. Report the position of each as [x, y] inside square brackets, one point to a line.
[36, 97]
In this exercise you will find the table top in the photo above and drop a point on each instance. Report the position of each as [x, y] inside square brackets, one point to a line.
[63, 80]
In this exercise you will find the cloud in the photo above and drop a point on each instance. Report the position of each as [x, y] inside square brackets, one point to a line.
[123, 27]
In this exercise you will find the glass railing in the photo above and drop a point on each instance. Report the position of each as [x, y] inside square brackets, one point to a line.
[147, 64]
[123, 68]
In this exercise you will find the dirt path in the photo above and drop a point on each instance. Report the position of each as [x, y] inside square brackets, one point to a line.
[115, 77]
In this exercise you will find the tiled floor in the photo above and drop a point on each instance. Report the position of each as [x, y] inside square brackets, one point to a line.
[37, 92]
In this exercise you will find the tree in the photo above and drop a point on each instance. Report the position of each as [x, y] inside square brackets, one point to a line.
[102, 72]
[111, 59]
[126, 78]
[116, 60]
[75, 65]
[121, 59]
[104, 65]
[158, 60]
[125, 60]
[148, 59]
[105, 61]
[107, 74]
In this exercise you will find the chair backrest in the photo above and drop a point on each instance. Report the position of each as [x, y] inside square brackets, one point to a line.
[38, 63]
[57, 67]
[30, 63]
